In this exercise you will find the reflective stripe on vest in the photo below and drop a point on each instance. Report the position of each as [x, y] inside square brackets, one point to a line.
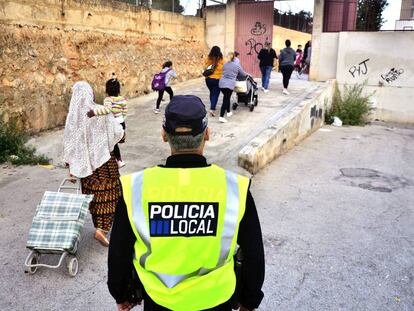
[172, 290]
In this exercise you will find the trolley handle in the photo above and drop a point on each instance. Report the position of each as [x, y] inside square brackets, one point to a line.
[71, 183]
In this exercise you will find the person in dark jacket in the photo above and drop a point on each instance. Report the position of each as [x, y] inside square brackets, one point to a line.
[185, 128]
[267, 55]
[306, 57]
[287, 59]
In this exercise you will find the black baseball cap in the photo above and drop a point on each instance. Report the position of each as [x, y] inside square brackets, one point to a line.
[185, 111]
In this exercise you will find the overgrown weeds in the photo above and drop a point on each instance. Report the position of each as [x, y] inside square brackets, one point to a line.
[351, 106]
[13, 146]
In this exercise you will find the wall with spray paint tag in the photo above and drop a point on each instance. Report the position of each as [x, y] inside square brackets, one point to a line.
[382, 60]
[385, 62]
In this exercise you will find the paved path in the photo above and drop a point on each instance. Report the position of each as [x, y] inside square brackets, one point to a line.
[332, 241]
[144, 146]
[338, 220]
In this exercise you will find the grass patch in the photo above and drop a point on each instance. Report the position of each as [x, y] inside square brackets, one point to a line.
[13, 148]
[351, 106]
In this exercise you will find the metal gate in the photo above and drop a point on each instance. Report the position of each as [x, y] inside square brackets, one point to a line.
[254, 26]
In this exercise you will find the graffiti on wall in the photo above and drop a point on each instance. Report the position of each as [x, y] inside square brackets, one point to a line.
[392, 75]
[359, 69]
[257, 30]
[315, 114]
[254, 46]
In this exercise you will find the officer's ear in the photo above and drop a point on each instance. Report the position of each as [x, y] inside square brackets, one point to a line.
[207, 133]
[164, 135]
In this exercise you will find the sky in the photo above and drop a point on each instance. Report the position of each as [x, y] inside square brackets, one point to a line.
[191, 6]
[391, 13]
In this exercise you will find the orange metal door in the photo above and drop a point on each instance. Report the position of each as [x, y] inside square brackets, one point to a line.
[254, 26]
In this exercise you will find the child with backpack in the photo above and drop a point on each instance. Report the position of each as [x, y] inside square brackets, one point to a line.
[161, 83]
[118, 106]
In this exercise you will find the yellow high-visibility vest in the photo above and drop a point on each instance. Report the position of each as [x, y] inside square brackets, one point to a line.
[186, 222]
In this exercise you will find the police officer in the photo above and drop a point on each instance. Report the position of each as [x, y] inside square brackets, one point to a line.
[178, 225]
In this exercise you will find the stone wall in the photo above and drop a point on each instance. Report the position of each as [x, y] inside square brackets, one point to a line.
[47, 45]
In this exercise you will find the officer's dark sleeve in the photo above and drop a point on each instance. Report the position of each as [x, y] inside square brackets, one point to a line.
[120, 253]
[253, 267]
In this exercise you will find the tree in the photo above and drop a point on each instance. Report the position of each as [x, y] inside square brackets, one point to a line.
[369, 16]
[168, 5]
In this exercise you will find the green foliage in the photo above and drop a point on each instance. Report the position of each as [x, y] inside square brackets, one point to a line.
[164, 5]
[168, 5]
[13, 148]
[352, 107]
[369, 16]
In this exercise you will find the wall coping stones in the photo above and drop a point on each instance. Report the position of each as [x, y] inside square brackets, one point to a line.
[287, 127]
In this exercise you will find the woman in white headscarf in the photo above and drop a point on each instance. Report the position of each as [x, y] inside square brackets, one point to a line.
[88, 146]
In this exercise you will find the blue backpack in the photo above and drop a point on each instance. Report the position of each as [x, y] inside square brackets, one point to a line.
[158, 81]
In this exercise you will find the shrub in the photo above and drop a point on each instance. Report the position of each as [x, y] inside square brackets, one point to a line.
[13, 148]
[351, 107]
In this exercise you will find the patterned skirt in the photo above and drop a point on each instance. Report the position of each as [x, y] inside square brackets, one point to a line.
[105, 186]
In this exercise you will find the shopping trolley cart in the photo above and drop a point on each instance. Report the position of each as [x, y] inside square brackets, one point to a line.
[57, 226]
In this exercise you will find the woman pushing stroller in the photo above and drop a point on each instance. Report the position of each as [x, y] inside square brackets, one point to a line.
[231, 71]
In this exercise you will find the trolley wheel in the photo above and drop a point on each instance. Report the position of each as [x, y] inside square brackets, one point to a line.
[73, 266]
[255, 100]
[251, 108]
[234, 106]
[33, 260]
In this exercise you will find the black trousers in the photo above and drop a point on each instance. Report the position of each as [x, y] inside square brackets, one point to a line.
[169, 90]
[286, 72]
[226, 101]
[117, 152]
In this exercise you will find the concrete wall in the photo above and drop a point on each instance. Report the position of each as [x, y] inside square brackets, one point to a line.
[370, 57]
[220, 26]
[324, 63]
[316, 61]
[47, 45]
[293, 125]
[380, 60]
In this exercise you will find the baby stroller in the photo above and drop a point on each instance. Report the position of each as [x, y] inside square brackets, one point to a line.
[246, 91]
[57, 226]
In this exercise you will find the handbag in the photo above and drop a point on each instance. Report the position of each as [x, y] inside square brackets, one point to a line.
[241, 86]
[209, 70]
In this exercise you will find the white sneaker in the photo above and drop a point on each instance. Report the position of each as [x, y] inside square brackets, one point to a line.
[285, 91]
[263, 88]
[229, 114]
[157, 111]
[266, 90]
[222, 120]
[120, 164]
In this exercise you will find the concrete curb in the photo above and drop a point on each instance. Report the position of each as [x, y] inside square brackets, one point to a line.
[294, 123]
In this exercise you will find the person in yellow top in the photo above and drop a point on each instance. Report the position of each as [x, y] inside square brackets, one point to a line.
[215, 57]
